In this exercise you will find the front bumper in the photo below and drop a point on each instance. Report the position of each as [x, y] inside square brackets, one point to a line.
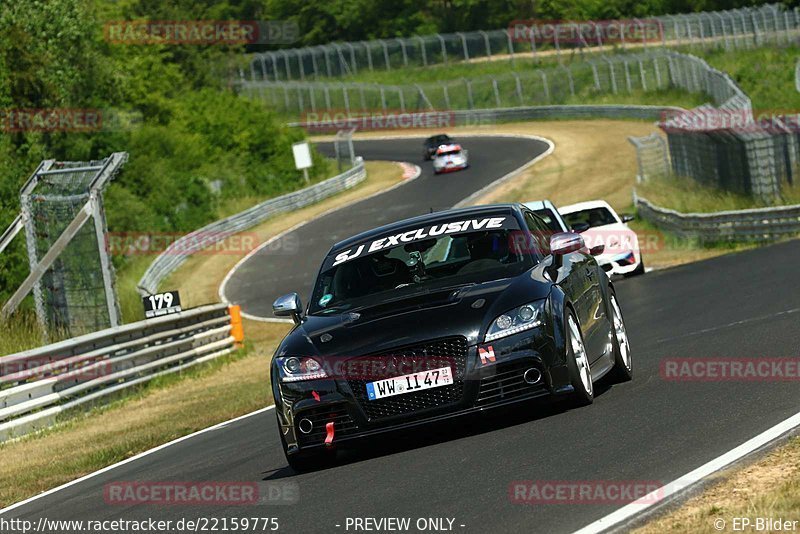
[450, 168]
[481, 385]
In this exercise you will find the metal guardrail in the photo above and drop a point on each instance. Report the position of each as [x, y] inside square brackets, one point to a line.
[750, 225]
[474, 117]
[39, 384]
[180, 250]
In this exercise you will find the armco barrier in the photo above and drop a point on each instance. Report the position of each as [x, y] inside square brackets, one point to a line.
[38, 385]
[556, 112]
[179, 251]
[750, 225]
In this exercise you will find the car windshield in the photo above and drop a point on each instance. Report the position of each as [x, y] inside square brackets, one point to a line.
[424, 264]
[449, 153]
[593, 217]
[438, 140]
[548, 217]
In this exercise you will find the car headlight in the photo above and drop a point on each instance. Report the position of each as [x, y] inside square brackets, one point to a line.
[297, 368]
[517, 320]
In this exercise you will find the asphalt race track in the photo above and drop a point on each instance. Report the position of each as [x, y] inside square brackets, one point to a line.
[291, 263]
[740, 305]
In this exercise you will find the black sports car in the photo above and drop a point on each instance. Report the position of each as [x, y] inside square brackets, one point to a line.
[434, 142]
[441, 315]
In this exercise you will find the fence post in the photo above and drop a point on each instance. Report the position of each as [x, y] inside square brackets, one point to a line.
[496, 92]
[423, 51]
[486, 43]
[313, 53]
[470, 101]
[546, 87]
[403, 50]
[368, 49]
[464, 44]
[444, 47]
[518, 85]
[353, 63]
[385, 54]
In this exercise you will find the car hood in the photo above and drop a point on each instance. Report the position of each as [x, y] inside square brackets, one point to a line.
[465, 311]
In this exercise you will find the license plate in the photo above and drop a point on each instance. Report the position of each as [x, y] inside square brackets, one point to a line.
[409, 383]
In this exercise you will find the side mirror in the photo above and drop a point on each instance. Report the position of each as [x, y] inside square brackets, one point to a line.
[565, 242]
[580, 227]
[597, 250]
[288, 306]
[627, 217]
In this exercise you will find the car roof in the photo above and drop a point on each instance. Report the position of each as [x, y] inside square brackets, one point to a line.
[421, 220]
[540, 205]
[590, 204]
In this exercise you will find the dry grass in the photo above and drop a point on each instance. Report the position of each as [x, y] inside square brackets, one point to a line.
[769, 488]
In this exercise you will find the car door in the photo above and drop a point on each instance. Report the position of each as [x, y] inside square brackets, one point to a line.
[579, 277]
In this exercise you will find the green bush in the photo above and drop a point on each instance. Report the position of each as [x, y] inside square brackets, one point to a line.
[195, 146]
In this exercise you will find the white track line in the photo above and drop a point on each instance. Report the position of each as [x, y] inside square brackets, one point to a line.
[675, 487]
[134, 458]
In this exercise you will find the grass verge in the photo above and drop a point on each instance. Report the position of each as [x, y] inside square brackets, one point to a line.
[688, 196]
[768, 488]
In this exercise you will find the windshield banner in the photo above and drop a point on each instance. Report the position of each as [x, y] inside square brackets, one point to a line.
[494, 222]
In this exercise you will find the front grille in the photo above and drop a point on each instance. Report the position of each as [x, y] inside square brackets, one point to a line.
[320, 417]
[415, 358]
[507, 383]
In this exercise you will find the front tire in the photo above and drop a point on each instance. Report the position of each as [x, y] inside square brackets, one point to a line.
[580, 373]
[639, 268]
[304, 461]
[623, 364]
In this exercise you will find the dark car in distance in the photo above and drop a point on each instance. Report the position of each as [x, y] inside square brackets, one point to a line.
[442, 315]
[432, 143]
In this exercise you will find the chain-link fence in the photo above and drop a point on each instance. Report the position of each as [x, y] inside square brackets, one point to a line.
[651, 157]
[731, 29]
[617, 74]
[71, 274]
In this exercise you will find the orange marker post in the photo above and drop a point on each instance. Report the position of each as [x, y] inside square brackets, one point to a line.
[237, 329]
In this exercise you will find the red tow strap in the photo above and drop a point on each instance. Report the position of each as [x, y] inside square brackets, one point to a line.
[329, 437]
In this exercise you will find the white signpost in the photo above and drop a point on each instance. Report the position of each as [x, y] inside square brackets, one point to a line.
[302, 157]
